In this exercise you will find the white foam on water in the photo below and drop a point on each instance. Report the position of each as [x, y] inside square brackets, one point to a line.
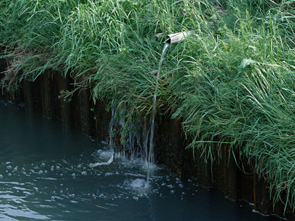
[139, 183]
[140, 187]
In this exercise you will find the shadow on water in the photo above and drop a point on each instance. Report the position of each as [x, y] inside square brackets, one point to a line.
[44, 175]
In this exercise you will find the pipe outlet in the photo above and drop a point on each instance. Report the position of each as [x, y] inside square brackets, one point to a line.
[177, 37]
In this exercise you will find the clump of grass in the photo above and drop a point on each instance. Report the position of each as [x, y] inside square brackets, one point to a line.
[30, 32]
[112, 44]
[239, 89]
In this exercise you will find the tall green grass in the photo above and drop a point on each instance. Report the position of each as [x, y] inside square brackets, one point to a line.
[231, 82]
[31, 31]
[238, 89]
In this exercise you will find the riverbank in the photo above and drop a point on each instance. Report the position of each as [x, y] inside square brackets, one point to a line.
[239, 185]
[229, 84]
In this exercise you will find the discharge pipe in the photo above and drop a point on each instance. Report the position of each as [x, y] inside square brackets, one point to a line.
[177, 37]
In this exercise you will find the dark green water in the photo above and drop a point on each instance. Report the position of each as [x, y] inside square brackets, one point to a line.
[44, 175]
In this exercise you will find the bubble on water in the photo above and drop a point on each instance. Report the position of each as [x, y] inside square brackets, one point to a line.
[102, 196]
[8, 167]
[42, 165]
[40, 172]
[8, 162]
[172, 191]
[79, 166]
[52, 168]
[15, 169]
[155, 191]
[108, 174]
[9, 174]
[1, 176]
[84, 173]
[73, 175]
[91, 139]
[170, 186]
[180, 185]
[135, 197]
[57, 167]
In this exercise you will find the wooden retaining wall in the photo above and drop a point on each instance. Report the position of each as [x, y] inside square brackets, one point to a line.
[224, 175]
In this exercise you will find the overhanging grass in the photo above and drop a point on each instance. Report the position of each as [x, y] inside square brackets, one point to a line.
[239, 89]
[232, 81]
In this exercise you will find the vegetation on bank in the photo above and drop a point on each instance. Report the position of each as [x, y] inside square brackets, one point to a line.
[230, 82]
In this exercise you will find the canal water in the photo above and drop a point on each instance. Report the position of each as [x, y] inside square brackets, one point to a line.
[44, 175]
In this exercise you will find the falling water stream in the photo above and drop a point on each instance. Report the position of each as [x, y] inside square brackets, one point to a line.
[44, 175]
[151, 150]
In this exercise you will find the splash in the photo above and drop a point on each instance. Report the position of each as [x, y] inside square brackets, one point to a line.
[102, 163]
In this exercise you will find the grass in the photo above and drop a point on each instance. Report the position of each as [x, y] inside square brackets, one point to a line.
[230, 82]
[239, 89]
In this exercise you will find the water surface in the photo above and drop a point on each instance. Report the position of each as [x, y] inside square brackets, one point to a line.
[44, 175]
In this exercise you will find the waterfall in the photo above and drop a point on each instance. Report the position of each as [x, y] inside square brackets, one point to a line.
[143, 139]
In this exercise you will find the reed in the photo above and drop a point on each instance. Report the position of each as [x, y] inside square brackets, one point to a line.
[231, 82]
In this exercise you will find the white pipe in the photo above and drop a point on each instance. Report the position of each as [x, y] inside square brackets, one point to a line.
[176, 37]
